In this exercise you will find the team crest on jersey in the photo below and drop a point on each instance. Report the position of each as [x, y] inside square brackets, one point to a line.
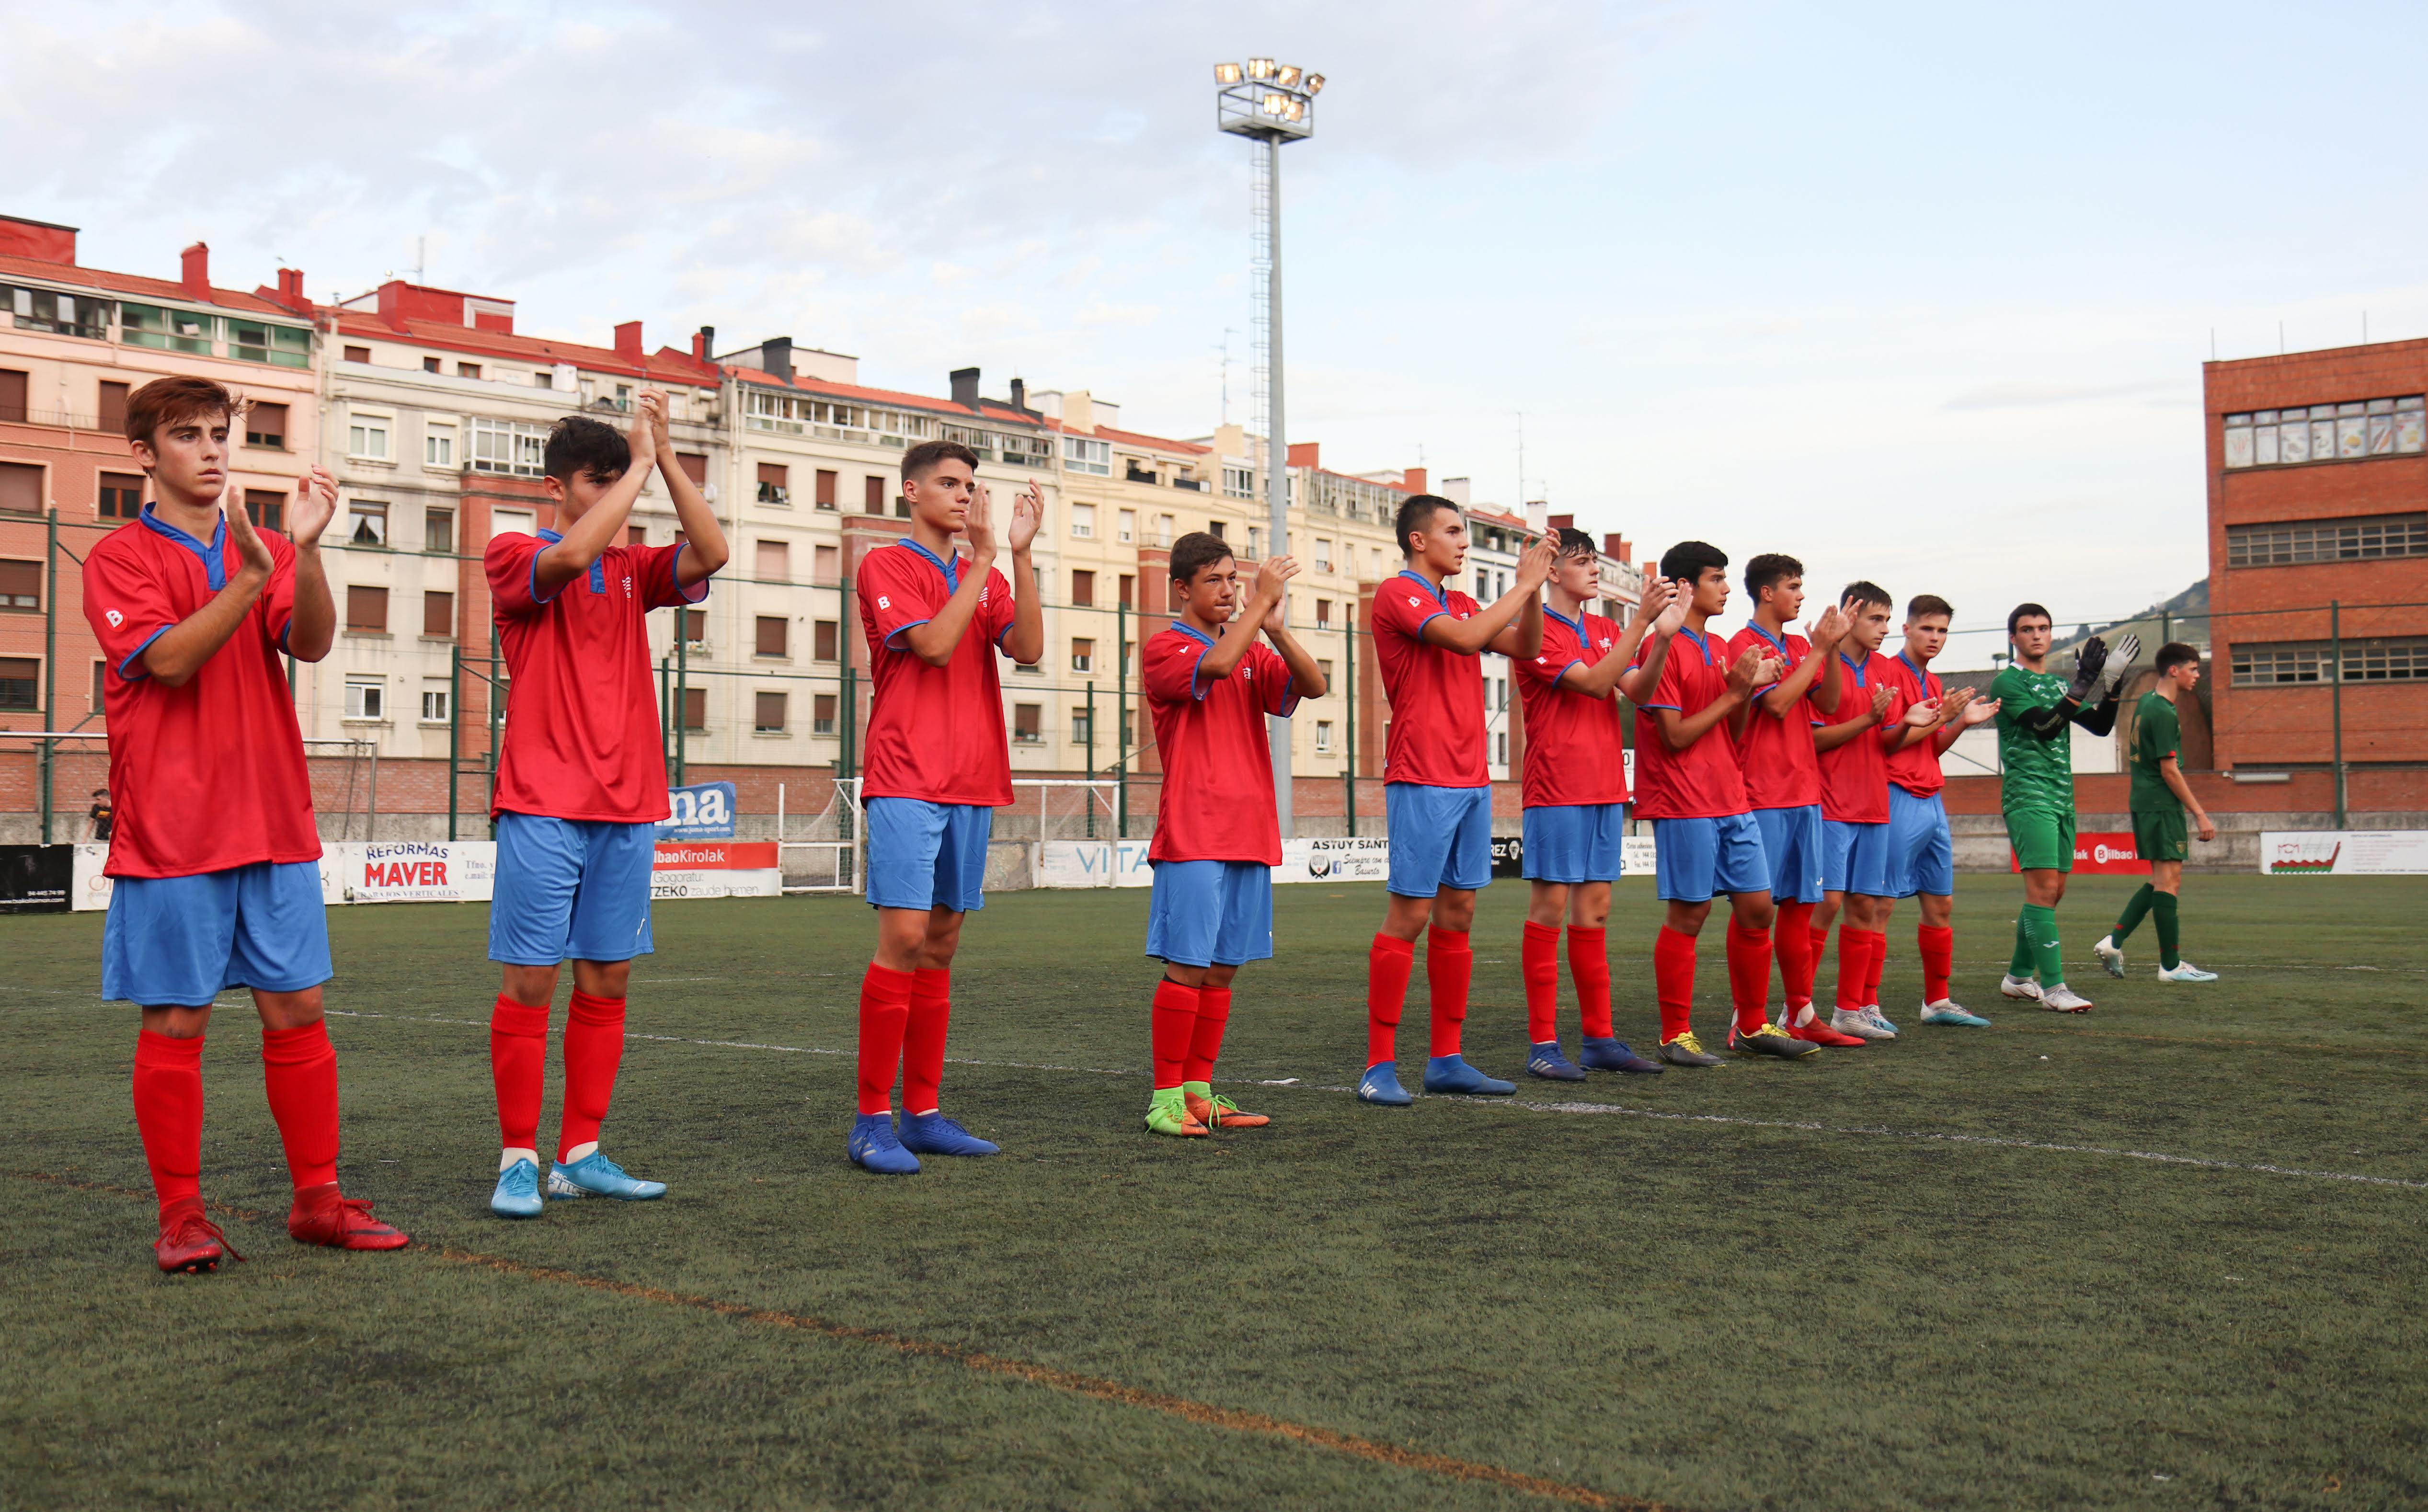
[628, 586]
[884, 602]
[114, 617]
[1413, 602]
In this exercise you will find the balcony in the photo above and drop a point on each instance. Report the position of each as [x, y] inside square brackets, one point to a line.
[18, 415]
[1139, 474]
[1195, 485]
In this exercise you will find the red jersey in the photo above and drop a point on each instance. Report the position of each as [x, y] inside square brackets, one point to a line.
[1855, 775]
[1575, 743]
[934, 733]
[1916, 767]
[1217, 767]
[1776, 755]
[1702, 780]
[211, 775]
[1436, 694]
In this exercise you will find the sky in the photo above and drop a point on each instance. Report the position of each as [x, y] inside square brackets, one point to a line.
[1918, 293]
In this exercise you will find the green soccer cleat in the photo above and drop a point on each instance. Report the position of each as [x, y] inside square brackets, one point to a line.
[1168, 1113]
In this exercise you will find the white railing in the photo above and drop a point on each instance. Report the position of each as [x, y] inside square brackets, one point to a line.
[844, 817]
[1098, 794]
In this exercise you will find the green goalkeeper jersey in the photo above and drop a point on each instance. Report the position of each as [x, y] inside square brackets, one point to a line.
[2037, 770]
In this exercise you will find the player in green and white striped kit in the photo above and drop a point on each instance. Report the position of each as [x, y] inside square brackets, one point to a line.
[2035, 785]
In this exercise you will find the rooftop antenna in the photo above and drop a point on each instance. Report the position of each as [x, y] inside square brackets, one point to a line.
[420, 258]
[1228, 332]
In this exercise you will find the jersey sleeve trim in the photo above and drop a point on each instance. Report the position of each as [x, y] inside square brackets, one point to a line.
[1559, 679]
[893, 640]
[531, 586]
[133, 669]
[674, 576]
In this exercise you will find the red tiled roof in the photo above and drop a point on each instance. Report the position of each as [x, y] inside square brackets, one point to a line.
[988, 409]
[1107, 432]
[160, 288]
[667, 365]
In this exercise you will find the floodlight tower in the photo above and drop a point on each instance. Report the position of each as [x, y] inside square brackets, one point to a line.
[1270, 103]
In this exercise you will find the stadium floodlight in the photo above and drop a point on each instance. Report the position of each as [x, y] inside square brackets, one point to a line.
[1270, 105]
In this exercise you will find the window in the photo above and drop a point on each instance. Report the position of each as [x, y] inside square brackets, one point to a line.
[1083, 588]
[1080, 454]
[20, 684]
[1322, 555]
[1083, 522]
[437, 613]
[113, 408]
[822, 714]
[782, 412]
[2286, 664]
[365, 698]
[366, 608]
[1083, 727]
[773, 562]
[2328, 432]
[366, 437]
[826, 489]
[695, 467]
[2363, 539]
[40, 309]
[872, 497]
[355, 353]
[509, 447]
[695, 708]
[430, 365]
[1501, 694]
[21, 584]
[767, 713]
[21, 487]
[1323, 736]
[1129, 592]
[772, 486]
[1125, 525]
[1374, 563]
[265, 425]
[467, 369]
[1325, 666]
[100, 684]
[438, 445]
[1026, 723]
[1163, 530]
[694, 625]
[543, 379]
[771, 634]
[1214, 528]
[514, 522]
[266, 508]
[121, 495]
[1126, 741]
[1238, 483]
[12, 394]
[438, 529]
[150, 325]
[281, 346]
[1083, 655]
[1501, 747]
[433, 702]
[365, 523]
[637, 535]
[1323, 614]
[826, 639]
[1255, 540]
[829, 565]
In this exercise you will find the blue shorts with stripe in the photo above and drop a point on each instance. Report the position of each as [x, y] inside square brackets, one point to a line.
[1856, 859]
[1440, 837]
[924, 855]
[1922, 851]
[179, 942]
[571, 890]
[1694, 858]
[1792, 839]
[1210, 913]
[1574, 843]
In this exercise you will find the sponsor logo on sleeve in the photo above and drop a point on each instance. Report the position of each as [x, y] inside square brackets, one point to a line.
[114, 617]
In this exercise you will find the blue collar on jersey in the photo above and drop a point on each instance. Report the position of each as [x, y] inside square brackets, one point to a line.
[1701, 640]
[1577, 624]
[598, 567]
[1920, 678]
[1193, 634]
[950, 569]
[1778, 642]
[1852, 667]
[1441, 596]
[214, 555]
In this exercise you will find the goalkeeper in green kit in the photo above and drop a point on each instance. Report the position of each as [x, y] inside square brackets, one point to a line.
[2035, 785]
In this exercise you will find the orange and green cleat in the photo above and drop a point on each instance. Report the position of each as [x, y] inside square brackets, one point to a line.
[1169, 1114]
[322, 1215]
[1217, 1113]
[189, 1243]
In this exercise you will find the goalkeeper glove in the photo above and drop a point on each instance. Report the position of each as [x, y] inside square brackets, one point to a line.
[2088, 662]
[2120, 661]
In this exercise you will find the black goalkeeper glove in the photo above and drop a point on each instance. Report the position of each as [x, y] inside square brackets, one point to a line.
[2087, 664]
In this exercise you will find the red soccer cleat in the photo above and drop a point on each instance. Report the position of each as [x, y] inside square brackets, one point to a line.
[189, 1243]
[322, 1215]
[1821, 1033]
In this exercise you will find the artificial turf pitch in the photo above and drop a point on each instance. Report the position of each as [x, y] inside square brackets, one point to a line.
[1949, 1271]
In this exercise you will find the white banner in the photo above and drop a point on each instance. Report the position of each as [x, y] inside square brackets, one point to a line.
[408, 871]
[2344, 852]
[1364, 858]
[716, 868]
[90, 889]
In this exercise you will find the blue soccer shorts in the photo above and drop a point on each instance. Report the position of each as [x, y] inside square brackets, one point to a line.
[1440, 837]
[1573, 842]
[1855, 859]
[1694, 858]
[1792, 839]
[1922, 851]
[925, 856]
[1210, 913]
[179, 942]
[570, 889]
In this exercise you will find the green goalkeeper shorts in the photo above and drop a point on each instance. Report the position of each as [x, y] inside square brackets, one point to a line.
[2043, 840]
[2160, 836]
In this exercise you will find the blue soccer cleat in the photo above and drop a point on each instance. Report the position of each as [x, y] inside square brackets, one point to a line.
[935, 1134]
[1381, 1086]
[1947, 1011]
[518, 1193]
[1614, 1055]
[595, 1175]
[1452, 1073]
[1544, 1061]
[873, 1147]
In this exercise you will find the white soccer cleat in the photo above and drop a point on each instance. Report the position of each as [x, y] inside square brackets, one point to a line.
[2185, 971]
[2064, 1000]
[2023, 986]
[1947, 1011]
[1863, 1024]
[2110, 954]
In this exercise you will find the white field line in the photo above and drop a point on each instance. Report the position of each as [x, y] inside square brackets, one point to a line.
[1922, 1136]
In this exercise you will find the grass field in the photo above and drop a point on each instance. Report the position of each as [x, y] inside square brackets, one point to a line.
[2167, 1256]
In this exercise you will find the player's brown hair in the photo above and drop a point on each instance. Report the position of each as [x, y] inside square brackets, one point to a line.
[1764, 572]
[1571, 541]
[2173, 654]
[2026, 611]
[1416, 513]
[1194, 553]
[927, 456]
[578, 445]
[1929, 603]
[172, 401]
[1862, 593]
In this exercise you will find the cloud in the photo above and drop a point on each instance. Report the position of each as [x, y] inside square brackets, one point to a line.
[2016, 393]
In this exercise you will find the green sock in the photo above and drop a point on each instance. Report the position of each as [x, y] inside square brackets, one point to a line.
[2047, 957]
[2163, 906]
[2021, 966]
[2130, 919]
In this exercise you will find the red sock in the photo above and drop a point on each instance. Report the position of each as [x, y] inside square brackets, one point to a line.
[884, 1014]
[169, 1114]
[1389, 962]
[1673, 981]
[1820, 938]
[299, 1069]
[1213, 1012]
[517, 1062]
[1792, 941]
[923, 1041]
[1854, 967]
[1875, 941]
[1175, 1026]
[1749, 974]
[1449, 966]
[1590, 968]
[1938, 948]
[594, 1048]
[1538, 957]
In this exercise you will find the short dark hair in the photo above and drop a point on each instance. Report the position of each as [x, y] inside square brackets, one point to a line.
[169, 400]
[1690, 560]
[1764, 572]
[580, 444]
[1416, 511]
[1862, 593]
[1194, 553]
[927, 456]
[1574, 542]
[1929, 603]
[2173, 654]
[2027, 611]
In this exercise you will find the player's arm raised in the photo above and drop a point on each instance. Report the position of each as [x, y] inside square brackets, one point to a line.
[1975, 710]
[1607, 676]
[1472, 637]
[1307, 676]
[179, 652]
[704, 546]
[935, 641]
[1787, 696]
[1830, 737]
[603, 526]
[1265, 598]
[1524, 636]
[1680, 730]
[312, 625]
[1026, 641]
[1664, 610]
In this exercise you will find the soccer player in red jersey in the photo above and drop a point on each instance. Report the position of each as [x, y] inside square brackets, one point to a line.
[216, 859]
[1869, 718]
[1922, 851]
[1436, 786]
[1210, 688]
[1783, 772]
[582, 784]
[938, 767]
[1575, 792]
[1705, 835]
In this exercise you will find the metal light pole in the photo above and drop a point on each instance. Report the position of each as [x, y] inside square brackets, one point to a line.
[1270, 103]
